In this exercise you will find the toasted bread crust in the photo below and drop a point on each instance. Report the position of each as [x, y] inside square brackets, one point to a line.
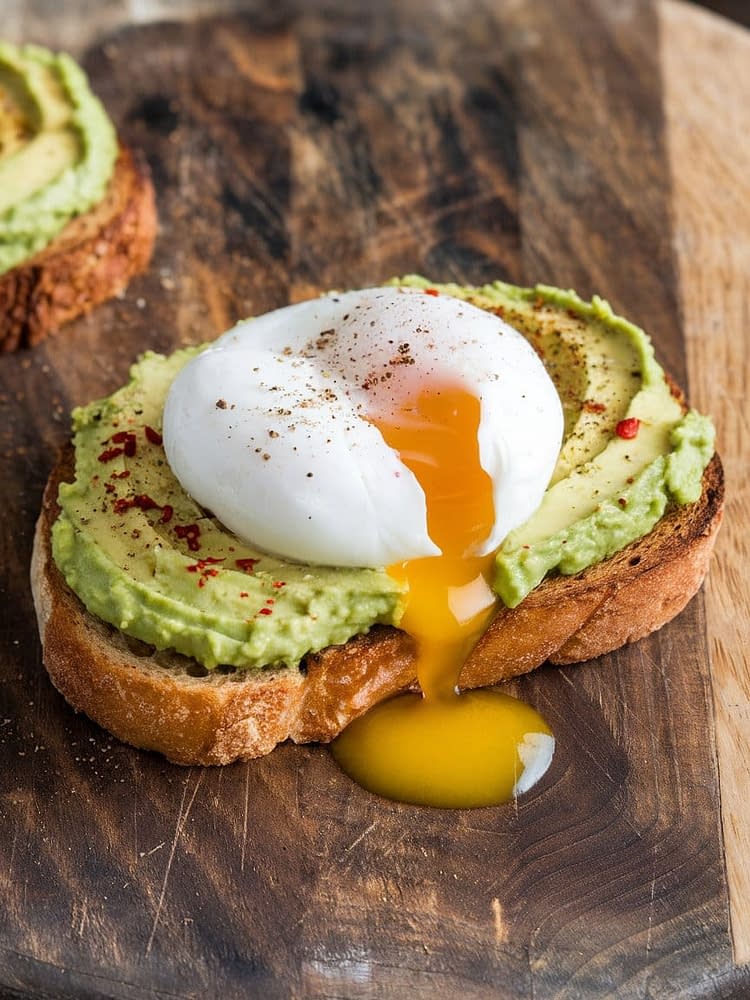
[155, 700]
[92, 259]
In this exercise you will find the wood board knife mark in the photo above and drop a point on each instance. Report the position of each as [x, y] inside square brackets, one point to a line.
[179, 825]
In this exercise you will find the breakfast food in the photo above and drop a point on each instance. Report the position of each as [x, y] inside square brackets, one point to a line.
[180, 635]
[77, 213]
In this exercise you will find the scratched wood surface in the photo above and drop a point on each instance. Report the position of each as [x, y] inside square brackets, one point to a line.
[712, 245]
[297, 148]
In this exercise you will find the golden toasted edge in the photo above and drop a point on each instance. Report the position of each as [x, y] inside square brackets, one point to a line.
[567, 619]
[163, 701]
[91, 260]
[166, 702]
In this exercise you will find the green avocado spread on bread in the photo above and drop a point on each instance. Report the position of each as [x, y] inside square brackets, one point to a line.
[57, 149]
[143, 556]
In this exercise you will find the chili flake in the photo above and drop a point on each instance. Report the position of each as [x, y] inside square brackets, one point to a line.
[142, 502]
[628, 428]
[153, 436]
[265, 611]
[127, 439]
[431, 291]
[201, 564]
[206, 568]
[110, 453]
[247, 565]
[190, 533]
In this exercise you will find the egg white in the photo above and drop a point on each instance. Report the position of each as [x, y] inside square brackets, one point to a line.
[268, 427]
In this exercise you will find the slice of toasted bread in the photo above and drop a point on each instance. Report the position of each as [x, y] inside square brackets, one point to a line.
[167, 702]
[90, 260]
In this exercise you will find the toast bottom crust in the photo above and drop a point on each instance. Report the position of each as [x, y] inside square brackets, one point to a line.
[164, 701]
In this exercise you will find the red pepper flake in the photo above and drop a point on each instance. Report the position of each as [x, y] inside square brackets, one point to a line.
[120, 475]
[110, 453]
[127, 439]
[142, 502]
[201, 564]
[628, 428]
[590, 406]
[152, 436]
[270, 600]
[206, 568]
[190, 533]
[265, 611]
[244, 593]
[247, 565]
[622, 502]
[431, 291]
[278, 584]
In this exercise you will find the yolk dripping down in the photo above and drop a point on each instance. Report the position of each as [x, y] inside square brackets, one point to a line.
[440, 748]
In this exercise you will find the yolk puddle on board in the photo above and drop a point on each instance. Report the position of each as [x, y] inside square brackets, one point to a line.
[439, 747]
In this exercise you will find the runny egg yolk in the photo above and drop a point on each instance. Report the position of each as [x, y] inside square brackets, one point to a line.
[439, 747]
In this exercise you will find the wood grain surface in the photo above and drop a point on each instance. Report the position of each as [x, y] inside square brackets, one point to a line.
[712, 243]
[298, 147]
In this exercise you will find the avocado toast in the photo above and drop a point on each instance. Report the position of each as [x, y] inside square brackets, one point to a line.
[650, 520]
[77, 210]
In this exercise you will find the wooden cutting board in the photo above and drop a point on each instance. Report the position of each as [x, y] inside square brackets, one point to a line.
[297, 148]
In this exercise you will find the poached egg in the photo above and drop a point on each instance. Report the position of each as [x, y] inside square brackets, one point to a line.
[388, 427]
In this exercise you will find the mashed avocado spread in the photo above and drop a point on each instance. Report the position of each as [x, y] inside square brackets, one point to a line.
[57, 149]
[144, 557]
